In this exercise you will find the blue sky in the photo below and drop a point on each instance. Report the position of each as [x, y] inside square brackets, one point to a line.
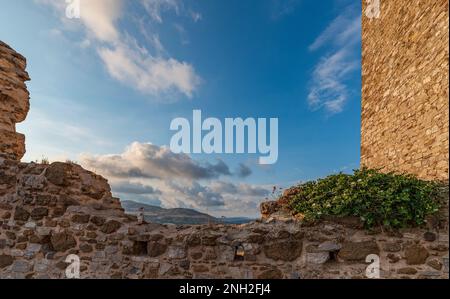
[107, 85]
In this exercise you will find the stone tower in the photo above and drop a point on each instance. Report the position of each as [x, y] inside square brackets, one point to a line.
[405, 92]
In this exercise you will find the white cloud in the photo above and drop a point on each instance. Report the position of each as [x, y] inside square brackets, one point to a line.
[146, 172]
[183, 34]
[196, 16]
[239, 189]
[243, 170]
[282, 8]
[156, 7]
[197, 195]
[215, 197]
[127, 187]
[148, 74]
[125, 59]
[145, 160]
[100, 16]
[342, 31]
[329, 87]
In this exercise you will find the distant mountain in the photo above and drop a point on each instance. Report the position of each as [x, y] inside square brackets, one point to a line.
[177, 216]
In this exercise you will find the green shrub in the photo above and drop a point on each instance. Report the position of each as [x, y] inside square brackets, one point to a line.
[390, 199]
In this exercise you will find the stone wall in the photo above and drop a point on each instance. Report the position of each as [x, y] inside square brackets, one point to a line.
[48, 212]
[14, 101]
[405, 106]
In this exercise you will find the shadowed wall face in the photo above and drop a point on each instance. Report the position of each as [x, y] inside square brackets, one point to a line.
[405, 102]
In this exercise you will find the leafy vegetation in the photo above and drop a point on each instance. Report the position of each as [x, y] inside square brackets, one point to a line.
[390, 199]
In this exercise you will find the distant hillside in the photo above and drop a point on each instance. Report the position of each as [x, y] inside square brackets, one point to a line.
[177, 216]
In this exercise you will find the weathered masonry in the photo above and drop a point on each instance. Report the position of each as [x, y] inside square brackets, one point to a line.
[405, 100]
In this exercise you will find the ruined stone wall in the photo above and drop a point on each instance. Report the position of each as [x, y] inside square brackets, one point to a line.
[48, 212]
[14, 101]
[405, 101]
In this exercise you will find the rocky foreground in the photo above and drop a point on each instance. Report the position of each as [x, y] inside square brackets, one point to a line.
[48, 212]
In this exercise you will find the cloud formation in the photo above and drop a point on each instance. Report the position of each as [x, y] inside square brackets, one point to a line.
[125, 60]
[145, 160]
[243, 171]
[201, 196]
[149, 74]
[329, 85]
[156, 7]
[239, 189]
[148, 173]
[281, 8]
[127, 187]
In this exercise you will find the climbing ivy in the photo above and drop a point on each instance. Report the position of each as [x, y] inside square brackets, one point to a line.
[388, 199]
